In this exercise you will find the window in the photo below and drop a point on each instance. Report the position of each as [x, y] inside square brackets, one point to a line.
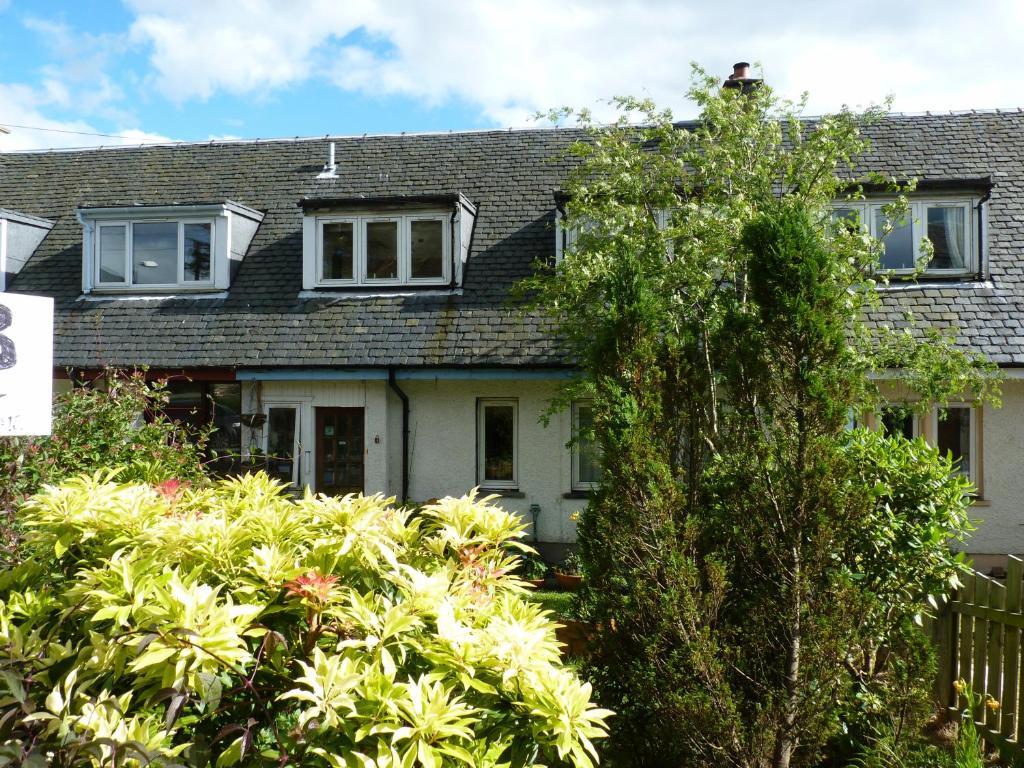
[948, 224]
[566, 237]
[899, 421]
[497, 443]
[586, 454]
[368, 250]
[196, 404]
[283, 443]
[154, 253]
[956, 434]
[165, 248]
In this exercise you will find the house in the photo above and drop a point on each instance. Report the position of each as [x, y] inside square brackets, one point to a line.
[343, 304]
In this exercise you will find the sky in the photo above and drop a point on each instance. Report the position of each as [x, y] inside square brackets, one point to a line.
[195, 70]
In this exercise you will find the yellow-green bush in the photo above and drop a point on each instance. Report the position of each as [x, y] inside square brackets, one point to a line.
[232, 624]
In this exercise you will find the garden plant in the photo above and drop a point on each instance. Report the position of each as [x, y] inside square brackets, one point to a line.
[229, 623]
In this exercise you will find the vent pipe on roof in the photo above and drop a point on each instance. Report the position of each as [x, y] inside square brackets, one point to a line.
[330, 170]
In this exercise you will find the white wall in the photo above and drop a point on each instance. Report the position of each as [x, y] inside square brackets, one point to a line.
[1001, 510]
[442, 441]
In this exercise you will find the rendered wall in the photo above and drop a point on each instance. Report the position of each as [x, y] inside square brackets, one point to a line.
[443, 448]
[1001, 509]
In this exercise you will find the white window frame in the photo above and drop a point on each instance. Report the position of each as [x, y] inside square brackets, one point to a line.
[566, 237]
[918, 214]
[297, 440]
[404, 234]
[974, 475]
[577, 484]
[320, 222]
[128, 282]
[481, 453]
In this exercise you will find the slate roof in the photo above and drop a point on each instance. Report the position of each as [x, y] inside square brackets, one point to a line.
[264, 321]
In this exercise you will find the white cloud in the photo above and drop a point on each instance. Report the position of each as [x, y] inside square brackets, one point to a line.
[26, 106]
[511, 59]
[75, 80]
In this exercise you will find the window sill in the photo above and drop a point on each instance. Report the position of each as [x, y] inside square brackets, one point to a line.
[577, 495]
[505, 493]
[978, 501]
[191, 293]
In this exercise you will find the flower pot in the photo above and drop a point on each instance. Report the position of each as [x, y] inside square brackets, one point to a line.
[569, 582]
[575, 637]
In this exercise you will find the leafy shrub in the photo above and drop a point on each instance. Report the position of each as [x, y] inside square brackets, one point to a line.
[99, 427]
[233, 624]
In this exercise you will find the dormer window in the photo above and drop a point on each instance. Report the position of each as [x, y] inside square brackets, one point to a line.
[375, 250]
[143, 249]
[566, 237]
[20, 235]
[950, 224]
[155, 253]
[391, 242]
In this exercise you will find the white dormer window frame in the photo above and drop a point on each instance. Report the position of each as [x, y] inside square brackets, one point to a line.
[20, 235]
[870, 212]
[180, 281]
[229, 227]
[404, 225]
[566, 237]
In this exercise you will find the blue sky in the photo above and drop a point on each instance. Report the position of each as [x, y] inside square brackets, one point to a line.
[157, 70]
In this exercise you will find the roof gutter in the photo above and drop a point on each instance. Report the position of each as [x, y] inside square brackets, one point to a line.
[393, 384]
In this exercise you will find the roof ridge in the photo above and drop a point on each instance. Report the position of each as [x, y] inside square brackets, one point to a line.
[294, 139]
[451, 132]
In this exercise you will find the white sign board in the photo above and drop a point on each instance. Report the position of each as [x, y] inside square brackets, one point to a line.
[26, 364]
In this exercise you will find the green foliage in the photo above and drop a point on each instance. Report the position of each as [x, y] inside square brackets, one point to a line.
[571, 566]
[757, 570]
[533, 567]
[231, 624]
[100, 426]
[559, 603]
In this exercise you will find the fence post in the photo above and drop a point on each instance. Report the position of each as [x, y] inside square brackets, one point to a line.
[965, 630]
[1011, 650]
[994, 652]
[979, 666]
[945, 637]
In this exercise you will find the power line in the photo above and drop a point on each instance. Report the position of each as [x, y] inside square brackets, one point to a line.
[61, 130]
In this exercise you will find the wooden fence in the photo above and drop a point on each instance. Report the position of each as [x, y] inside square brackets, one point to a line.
[979, 636]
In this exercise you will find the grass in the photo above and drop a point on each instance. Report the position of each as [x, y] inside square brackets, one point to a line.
[559, 603]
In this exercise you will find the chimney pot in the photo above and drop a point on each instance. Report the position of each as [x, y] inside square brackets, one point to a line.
[740, 78]
[740, 70]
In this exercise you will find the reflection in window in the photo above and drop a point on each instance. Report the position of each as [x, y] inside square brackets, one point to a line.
[427, 248]
[197, 253]
[497, 443]
[381, 250]
[899, 243]
[198, 404]
[155, 253]
[339, 247]
[946, 232]
[954, 436]
[899, 421]
[586, 469]
[281, 443]
[113, 251]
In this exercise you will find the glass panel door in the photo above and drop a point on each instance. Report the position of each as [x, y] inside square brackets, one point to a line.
[339, 450]
[281, 443]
